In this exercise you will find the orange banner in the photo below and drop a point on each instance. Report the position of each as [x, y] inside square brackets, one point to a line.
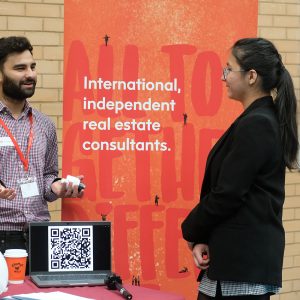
[143, 105]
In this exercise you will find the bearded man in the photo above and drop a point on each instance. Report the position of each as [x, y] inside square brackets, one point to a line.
[28, 148]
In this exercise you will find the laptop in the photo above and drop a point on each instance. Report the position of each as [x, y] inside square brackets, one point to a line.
[69, 253]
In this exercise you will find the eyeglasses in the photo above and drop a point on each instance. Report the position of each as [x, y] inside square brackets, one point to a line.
[227, 70]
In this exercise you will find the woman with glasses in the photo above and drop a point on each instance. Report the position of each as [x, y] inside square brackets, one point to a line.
[235, 232]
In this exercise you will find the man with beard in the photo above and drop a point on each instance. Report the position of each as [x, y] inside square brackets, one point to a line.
[28, 148]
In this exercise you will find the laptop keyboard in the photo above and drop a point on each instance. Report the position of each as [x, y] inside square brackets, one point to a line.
[72, 277]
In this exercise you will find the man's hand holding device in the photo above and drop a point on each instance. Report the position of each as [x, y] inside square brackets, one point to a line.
[69, 187]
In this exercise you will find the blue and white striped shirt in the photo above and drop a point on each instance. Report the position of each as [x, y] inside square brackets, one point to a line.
[234, 288]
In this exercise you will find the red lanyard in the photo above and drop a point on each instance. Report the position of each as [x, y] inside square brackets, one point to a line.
[25, 160]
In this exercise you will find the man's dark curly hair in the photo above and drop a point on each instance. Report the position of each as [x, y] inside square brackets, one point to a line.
[13, 44]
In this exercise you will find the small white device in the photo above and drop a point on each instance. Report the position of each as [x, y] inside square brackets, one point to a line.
[75, 181]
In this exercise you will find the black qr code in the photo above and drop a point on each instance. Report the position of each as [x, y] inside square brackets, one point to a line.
[70, 248]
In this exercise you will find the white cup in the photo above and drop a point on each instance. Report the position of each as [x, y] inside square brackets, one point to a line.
[16, 264]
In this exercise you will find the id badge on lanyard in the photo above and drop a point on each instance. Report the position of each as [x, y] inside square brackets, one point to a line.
[28, 185]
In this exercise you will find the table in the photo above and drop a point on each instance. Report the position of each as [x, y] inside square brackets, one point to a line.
[95, 292]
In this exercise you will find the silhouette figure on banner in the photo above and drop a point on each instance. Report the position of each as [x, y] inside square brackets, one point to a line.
[183, 270]
[135, 280]
[156, 200]
[103, 217]
[184, 118]
[106, 38]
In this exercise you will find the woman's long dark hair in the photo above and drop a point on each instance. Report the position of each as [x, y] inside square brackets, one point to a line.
[262, 56]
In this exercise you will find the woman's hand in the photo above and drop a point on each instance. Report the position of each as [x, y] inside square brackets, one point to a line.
[201, 256]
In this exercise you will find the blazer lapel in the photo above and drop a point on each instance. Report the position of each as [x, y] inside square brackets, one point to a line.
[205, 183]
[218, 144]
[258, 103]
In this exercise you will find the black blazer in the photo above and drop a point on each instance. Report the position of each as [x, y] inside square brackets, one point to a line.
[240, 211]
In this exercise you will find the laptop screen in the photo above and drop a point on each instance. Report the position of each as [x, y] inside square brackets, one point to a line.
[69, 246]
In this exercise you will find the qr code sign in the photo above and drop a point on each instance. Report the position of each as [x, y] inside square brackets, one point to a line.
[70, 248]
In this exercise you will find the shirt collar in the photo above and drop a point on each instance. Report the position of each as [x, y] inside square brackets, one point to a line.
[27, 108]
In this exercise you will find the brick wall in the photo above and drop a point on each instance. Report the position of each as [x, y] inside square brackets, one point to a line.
[42, 22]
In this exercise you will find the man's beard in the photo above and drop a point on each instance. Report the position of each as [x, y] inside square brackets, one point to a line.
[15, 91]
